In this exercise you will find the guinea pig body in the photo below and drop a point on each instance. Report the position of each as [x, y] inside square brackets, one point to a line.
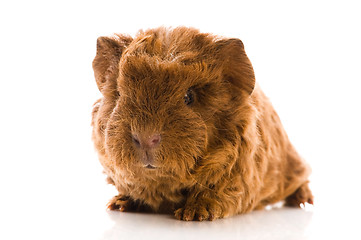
[182, 127]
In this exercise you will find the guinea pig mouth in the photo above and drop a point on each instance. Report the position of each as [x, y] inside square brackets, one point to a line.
[150, 166]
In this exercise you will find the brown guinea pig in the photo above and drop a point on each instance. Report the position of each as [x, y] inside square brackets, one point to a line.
[182, 127]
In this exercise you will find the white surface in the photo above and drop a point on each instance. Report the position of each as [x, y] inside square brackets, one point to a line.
[306, 57]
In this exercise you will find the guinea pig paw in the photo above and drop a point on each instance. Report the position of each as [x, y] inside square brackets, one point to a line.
[300, 197]
[199, 211]
[118, 202]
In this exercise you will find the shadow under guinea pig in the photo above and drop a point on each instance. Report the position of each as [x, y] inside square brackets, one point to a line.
[276, 223]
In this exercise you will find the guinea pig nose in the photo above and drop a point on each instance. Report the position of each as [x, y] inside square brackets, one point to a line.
[146, 141]
[154, 140]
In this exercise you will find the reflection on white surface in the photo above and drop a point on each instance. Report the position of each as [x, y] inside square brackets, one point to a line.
[284, 223]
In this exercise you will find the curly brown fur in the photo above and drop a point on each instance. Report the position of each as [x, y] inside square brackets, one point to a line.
[219, 151]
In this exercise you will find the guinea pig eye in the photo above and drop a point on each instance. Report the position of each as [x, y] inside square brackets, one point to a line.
[188, 98]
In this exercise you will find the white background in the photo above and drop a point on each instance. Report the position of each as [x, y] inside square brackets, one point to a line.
[306, 56]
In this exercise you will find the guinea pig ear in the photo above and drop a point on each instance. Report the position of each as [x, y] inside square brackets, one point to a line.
[105, 63]
[237, 68]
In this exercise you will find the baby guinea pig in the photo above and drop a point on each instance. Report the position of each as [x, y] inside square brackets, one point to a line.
[182, 128]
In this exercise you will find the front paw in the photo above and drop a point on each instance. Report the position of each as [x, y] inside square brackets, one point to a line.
[127, 204]
[199, 210]
[119, 202]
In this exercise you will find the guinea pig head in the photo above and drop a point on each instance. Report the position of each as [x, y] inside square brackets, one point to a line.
[165, 106]
[154, 114]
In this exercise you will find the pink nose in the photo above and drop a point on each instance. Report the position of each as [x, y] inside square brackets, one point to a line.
[146, 141]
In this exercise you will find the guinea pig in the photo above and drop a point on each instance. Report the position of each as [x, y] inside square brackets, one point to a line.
[183, 128]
